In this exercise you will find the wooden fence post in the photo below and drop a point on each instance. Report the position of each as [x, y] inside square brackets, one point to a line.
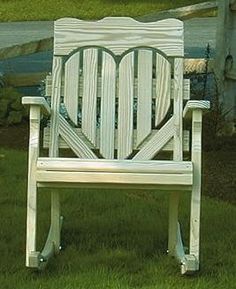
[225, 62]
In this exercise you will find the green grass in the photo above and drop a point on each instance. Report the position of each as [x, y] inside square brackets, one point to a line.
[15, 10]
[111, 239]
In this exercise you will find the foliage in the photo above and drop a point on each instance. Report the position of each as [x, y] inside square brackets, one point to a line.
[205, 86]
[11, 109]
[26, 10]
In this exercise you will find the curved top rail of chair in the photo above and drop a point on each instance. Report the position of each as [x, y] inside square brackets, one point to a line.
[118, 34]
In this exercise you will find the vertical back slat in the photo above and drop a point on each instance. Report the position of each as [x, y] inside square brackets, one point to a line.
[144, 94]
[108, 94]
[89, 100]
[125, 106]
[54, 145]
[178, 108]
[163, 87]
[71, 88]
[55, 104]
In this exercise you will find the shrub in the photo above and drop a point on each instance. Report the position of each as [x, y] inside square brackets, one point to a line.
[11, 109]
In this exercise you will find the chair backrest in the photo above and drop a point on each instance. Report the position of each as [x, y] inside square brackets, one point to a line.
[118, 79]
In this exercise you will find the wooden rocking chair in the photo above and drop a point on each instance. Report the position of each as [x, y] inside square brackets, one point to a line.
[122, 88]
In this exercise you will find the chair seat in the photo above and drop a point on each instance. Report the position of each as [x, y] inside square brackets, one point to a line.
[126, 172]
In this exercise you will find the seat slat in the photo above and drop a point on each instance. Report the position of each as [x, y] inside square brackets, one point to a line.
[115, 166]
[89, 100]
[71, 94]
[163, 87]
[125, 107]
[144, 95]
[108, 97]
[119, 178]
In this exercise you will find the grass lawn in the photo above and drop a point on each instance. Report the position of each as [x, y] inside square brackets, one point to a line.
[111, 239]
[16, 10]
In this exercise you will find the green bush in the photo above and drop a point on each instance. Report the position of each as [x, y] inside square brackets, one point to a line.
[11, 109]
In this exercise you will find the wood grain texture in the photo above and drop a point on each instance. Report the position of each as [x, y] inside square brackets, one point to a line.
[163, 87]
[114, 166]
[167, 147]
[53, 148]
[114, 178]
[118, 34]
[110, 186]
[71, 94]
[125, 107]
[196, 191]
[89, 99]
[32, 186]
[177, 153]
[195, 104]
[178, 108]
[108, 97]
[156, 142]
[115, 86]
[144, 95]
[48, 88]
[74, 141]
[55, 104]
[38, 101]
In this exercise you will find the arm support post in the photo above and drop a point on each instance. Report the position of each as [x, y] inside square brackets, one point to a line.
[32, 186]
[194, 109]
[39, 102]
[37, 105]
[196, 191]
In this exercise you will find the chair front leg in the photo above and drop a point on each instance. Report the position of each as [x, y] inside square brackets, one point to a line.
[196, 191]
[31, 253]
[191, 261]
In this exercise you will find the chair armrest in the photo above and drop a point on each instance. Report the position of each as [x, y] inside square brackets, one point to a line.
[193, 105]
[39, 101]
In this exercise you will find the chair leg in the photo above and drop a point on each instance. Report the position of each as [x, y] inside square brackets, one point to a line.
[36, 259]
[196, 190]
[56, 221]
[31, 226]
[195, 223]
[52, 245]
[173, 223]
[190, 264]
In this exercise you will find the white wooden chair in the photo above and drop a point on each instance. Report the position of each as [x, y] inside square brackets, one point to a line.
[121, 82]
